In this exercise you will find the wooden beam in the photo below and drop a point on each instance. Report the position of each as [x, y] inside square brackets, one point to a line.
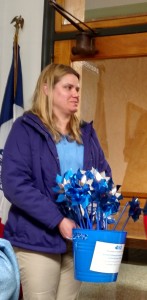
[126, 45]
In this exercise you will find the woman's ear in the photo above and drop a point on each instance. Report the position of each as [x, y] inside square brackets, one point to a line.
[45, 89]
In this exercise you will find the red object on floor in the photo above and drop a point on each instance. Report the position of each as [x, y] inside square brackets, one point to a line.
[1, 229]
[145, 223]
[21, 294]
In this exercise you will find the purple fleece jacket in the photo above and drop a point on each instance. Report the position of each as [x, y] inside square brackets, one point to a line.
[29, 169]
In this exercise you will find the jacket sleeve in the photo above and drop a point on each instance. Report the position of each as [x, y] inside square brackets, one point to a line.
[18, 181]
[98, 156]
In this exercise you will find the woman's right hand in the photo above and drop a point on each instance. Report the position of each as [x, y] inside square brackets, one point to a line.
[65, 228]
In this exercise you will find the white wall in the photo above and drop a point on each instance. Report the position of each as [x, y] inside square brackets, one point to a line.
[30, 41]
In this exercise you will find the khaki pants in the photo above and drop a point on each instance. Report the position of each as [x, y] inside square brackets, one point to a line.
[47, 276]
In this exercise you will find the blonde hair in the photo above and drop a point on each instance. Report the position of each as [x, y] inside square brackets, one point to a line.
[42, 103]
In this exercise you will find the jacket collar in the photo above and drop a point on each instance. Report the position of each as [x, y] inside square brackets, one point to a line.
[34, 121]
[86, 129]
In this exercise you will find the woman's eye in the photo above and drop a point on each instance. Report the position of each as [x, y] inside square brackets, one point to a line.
[69, 87]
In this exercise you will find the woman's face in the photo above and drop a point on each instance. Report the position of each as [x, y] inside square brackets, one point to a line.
[66, 95]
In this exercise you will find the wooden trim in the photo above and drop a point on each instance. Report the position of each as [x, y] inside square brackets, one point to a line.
[136, 243]
[62, 52]
[128, 45]
[125, 45]
[132, 194]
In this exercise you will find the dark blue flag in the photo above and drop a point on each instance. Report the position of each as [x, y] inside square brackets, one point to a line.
[12, 107]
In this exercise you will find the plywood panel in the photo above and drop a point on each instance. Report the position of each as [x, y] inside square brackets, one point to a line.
[114, 96]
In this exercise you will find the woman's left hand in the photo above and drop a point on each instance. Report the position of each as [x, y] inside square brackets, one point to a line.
[65, 227]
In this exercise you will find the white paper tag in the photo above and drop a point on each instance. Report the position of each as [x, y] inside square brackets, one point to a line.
[107, 257]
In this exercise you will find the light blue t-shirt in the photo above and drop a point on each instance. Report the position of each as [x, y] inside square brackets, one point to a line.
[70, 155]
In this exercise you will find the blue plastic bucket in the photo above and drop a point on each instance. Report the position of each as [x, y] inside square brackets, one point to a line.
[97, 254]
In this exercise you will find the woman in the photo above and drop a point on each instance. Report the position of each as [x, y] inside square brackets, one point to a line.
[46, 141]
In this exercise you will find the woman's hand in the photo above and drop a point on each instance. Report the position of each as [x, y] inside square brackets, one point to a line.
[65, 228]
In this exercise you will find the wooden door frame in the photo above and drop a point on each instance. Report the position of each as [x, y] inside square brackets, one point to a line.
[124, 37]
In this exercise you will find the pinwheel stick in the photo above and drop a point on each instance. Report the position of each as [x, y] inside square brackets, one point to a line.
[125, 223]
[120, 216]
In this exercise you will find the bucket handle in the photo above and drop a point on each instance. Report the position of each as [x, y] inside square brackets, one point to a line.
[78, 236]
